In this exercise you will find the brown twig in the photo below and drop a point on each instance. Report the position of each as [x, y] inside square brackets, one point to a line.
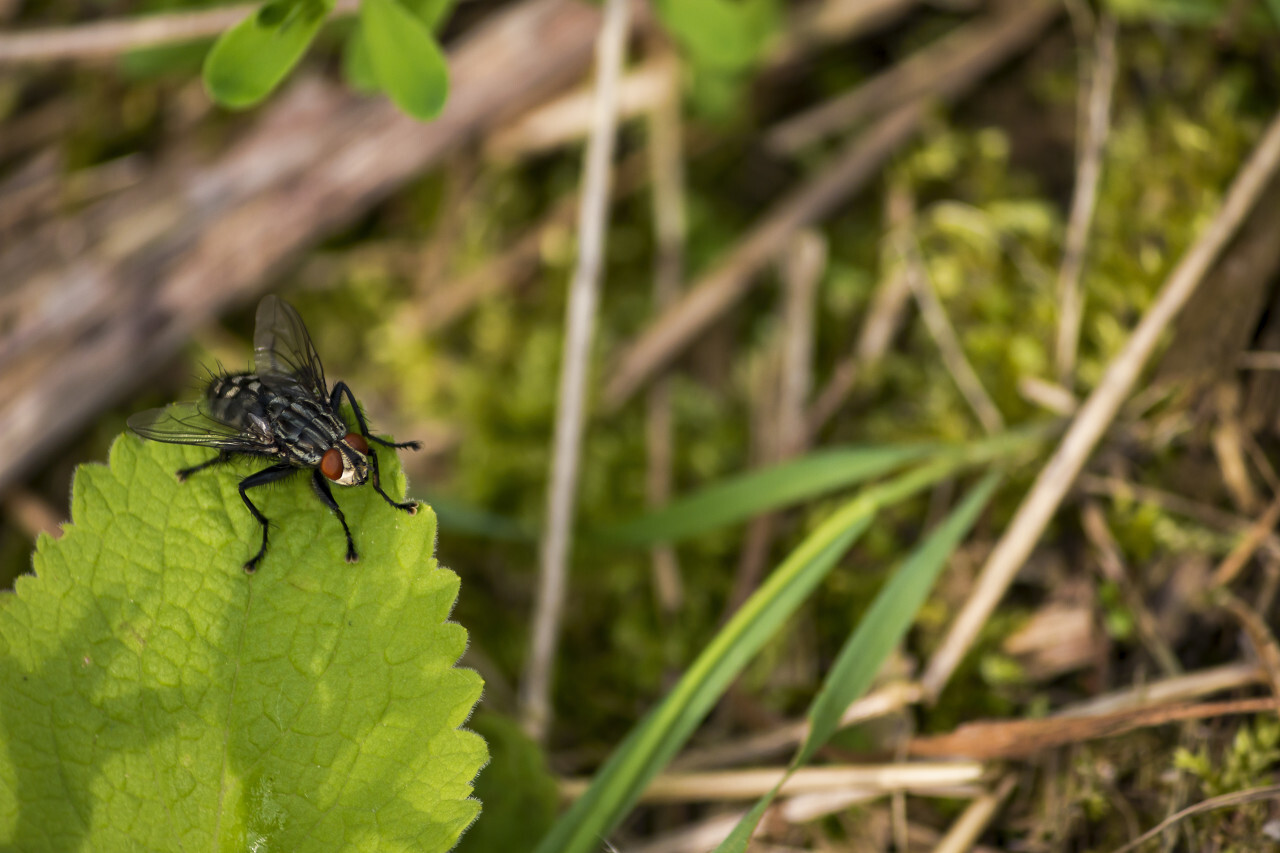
[107, 39]
[584, 296]
[1093, 144]
[990, 740]
[942, 70]
[1097, 413]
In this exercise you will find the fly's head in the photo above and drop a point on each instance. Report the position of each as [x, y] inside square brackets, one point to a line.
[347, 462]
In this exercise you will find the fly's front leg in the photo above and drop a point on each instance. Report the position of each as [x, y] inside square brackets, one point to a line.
[222, 457]
[335, 400]
[321, 487]
[266, 475]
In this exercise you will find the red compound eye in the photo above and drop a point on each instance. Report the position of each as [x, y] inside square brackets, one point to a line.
[331, 463]
[356, 440]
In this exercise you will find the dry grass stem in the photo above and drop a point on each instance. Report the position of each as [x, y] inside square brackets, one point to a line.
[1234, 799]
[107, 39]
[1234, 562]
[1260, 637]
[868, 779]
[666, 167]
[568, 119]
[1098, 411]
[1118, 489]
[1048, 395]
[729, 281]
[884, 701]
[1256, 360]
[942, 70]
[885, 317]
[974, 819]
[939, 325]
[1113, 569]
[1179, 688]
[781, 404]
[828, 21]
[1093, 143]
[584, 296]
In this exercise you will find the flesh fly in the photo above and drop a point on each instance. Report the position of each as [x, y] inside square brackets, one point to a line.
[282, 410]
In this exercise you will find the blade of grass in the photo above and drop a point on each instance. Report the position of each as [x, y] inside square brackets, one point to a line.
[740, 498]
[877, 634]
[664, 731]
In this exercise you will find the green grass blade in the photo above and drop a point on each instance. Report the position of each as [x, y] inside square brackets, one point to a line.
[664, 731]
[877, 634]
[661, 734]
[740, 498]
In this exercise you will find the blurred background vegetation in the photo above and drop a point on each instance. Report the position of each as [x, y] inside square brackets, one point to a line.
[982, 192]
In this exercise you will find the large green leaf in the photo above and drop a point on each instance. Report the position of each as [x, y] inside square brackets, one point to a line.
[249, 60]
[406, 61]
[155, 697]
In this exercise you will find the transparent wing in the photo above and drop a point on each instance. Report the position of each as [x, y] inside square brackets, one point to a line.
[185, 423]
[283, 355]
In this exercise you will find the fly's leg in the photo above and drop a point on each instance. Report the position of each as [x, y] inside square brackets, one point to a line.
[222, 457]
[321, 487]
[266, 475]
[335, 400]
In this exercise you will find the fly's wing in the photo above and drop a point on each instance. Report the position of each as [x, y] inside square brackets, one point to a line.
[185, 423]
[283, 355]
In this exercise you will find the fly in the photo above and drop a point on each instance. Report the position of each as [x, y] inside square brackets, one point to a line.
[283, 410]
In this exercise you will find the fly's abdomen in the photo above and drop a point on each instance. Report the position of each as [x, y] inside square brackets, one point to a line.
[237, 401]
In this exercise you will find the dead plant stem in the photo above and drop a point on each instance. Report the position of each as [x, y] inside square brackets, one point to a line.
[584, 294]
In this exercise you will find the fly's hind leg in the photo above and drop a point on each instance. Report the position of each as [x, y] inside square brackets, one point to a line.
[321, 487]
[266, 475]
[335, 399]
[222, 458]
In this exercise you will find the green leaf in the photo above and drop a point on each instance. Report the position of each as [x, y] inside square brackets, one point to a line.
[249, 60]
[877, 634]
[431, 12]
[739, 498]
[407, 63]
[155, 697]
[722, 34]
[357, 67]
[520, 794]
